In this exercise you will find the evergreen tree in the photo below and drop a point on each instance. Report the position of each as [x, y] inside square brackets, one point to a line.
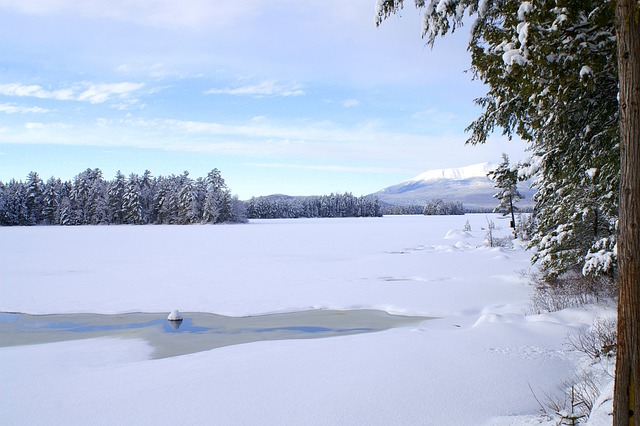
[215, 197]
[185, 200]
[506, 181]
[146, 186]
[34, 187]
[131, 201]
[51, 201]
[116, 199]
[88, 198]
[161, 211]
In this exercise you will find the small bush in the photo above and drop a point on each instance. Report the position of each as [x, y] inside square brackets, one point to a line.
[572, 289]
[575, 401]
[598, 341]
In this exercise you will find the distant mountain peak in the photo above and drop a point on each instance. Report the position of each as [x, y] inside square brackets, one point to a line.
[469, 185]
[460, 173]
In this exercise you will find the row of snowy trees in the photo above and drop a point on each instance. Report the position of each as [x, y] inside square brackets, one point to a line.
[439, 207]
[89, 199]
[389, 209]
[333, 205]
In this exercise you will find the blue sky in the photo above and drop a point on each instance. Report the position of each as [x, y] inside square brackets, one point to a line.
[282, 96]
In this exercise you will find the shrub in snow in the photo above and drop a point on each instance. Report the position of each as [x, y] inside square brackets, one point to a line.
[598, 341]
[554, 293]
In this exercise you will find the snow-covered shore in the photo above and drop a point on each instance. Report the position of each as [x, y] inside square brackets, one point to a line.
[476, 364]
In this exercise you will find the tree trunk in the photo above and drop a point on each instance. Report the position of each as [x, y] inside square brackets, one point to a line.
[626, 410]
[513, 216]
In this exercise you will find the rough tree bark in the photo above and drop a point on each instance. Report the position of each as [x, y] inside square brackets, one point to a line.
[626, 410]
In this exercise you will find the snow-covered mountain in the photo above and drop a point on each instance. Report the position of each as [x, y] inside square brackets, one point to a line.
[461, 173]
[469, 185]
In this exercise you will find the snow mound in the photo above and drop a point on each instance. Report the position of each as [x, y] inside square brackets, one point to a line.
[493, 318]
[175, 315]
[462, 245]
[456, 233]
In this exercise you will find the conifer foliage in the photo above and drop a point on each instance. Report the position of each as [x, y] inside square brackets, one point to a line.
[88, 199]
[550, 70]
[506, 181]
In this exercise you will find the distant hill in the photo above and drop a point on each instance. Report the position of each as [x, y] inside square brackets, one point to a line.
[468, 185]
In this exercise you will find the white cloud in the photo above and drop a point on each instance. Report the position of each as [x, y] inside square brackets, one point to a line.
[349, 103]
[265, 88]
[159, 13]
[99, 93]
[35, 91]
[46, 126]
[95, 93]
[19, 109]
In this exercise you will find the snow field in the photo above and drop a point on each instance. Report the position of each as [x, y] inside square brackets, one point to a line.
[472, 365]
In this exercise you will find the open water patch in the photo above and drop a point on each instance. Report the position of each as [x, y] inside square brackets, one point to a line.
[198, 331]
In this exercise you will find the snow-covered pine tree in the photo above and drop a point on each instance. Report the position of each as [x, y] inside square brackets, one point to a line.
[161, 206]
[116, 199]
[51, 201]
[215, 187]
[34, 187]
[505, 177]
[186, 200]
[131, 201]
[88, 198]
[146, 184]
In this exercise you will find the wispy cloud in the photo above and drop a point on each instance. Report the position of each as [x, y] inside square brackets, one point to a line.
[350, 103]
[158, 13]
[331, 168]
[265, 88]
[20, 109]
[95, 93]
[31, 125]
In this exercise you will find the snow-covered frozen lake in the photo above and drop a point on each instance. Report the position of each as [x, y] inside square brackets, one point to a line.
[475, 364]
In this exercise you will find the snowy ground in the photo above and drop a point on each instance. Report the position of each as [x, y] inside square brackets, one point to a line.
[476, 364]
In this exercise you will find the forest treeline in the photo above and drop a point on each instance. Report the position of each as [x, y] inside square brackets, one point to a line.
[436, 206]
[333, 205]
[89, 199]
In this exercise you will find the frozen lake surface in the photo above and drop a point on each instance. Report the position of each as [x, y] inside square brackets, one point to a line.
[475, 363]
